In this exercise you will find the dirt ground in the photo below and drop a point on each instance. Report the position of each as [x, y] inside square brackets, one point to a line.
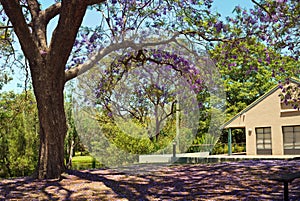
[245, 180]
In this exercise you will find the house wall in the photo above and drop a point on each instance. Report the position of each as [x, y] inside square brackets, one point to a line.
[267, 113]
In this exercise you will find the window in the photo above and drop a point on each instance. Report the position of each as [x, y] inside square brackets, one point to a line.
[263, 140]
[291, 139]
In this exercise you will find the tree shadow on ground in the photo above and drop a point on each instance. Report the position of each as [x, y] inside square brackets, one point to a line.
[27, 187]
[242, 181]
[246, 180]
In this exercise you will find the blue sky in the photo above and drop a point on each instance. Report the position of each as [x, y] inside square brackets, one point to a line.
[224, 7]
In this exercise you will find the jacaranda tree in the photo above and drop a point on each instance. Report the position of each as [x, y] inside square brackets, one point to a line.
[274, 22]
[248, 76]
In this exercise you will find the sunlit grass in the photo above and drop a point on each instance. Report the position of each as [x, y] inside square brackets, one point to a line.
[84, 162]
[82, 159]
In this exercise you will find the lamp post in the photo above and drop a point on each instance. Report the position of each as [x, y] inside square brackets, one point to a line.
[177, 122]
[173, 159]
[174, 149]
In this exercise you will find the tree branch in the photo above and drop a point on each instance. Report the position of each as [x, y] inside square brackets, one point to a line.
[6, 27]
[202, 35]
[14, 11]
[91, 2]
[51, 12]
[82, 68]
[38, 24]
[70, 19]
[74, 72]
[259, 5]
[34, 8]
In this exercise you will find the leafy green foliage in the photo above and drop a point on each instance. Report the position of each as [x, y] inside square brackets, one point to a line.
[249, 69]
[5, 52]
[134, 144]
[72, 140]
[18, 134]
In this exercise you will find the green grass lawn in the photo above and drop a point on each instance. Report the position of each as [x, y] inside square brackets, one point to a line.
[82, 159]
[84, 162]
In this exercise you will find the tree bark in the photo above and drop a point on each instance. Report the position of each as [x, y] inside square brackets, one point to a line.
[48, 88]
[52, 133]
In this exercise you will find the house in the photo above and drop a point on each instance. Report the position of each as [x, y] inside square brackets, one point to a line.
[271, 127]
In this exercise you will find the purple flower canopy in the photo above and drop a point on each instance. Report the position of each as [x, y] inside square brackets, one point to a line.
[139, 93]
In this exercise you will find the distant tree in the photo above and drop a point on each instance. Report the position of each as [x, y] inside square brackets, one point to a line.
[18, 134]
[137, 100]
[147, 91]
[249, 74]
[72, 139]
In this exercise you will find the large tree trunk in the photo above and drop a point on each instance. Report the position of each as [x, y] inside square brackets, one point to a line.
[48, 89]
[47, 66]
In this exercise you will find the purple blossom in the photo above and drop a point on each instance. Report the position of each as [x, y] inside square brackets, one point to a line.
[219, 26]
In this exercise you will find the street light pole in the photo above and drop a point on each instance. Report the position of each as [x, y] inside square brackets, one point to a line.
[177, 122]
